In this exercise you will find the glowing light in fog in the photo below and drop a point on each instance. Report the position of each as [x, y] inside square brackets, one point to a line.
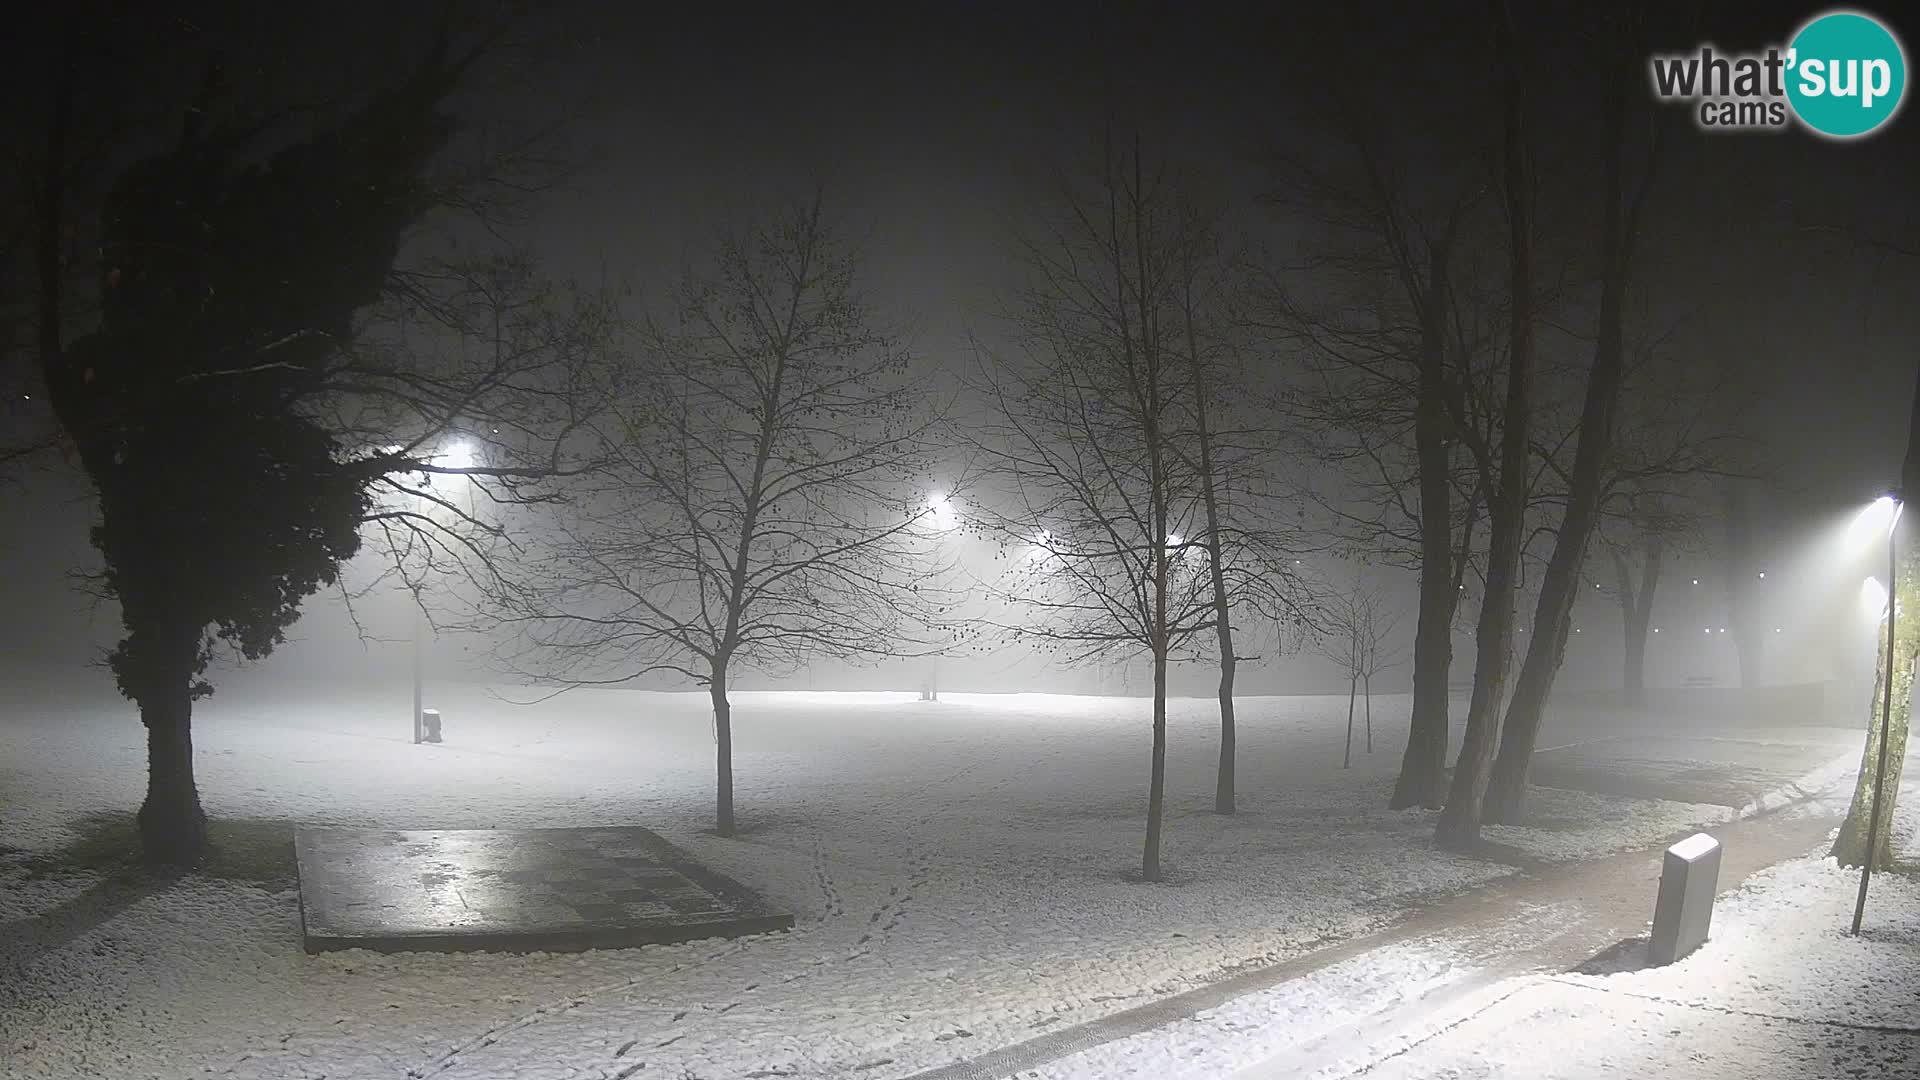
[1872, 523]
[943, 514]
[1873, 599]
[457, 455]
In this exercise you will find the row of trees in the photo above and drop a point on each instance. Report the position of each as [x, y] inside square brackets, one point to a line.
[261, 369]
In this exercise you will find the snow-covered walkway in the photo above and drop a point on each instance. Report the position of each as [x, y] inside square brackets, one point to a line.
[1780, 991]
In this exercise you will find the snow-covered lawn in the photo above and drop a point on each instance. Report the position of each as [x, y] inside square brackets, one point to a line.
[955, 867]
[1782, 990]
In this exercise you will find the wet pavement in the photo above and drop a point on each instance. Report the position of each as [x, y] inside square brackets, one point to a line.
[547, 890]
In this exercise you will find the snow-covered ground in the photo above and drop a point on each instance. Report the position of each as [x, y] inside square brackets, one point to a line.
[956, 869]
[1781, 990]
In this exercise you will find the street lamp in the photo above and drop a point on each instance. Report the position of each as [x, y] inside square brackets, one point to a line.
[458, 454]
[1889, 507]
[945, 517]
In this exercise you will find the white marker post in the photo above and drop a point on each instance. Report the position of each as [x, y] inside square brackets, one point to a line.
[1684, 910]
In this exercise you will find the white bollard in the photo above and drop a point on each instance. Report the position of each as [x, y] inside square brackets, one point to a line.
[1684, 910]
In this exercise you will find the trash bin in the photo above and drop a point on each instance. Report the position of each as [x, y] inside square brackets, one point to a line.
[430, 725]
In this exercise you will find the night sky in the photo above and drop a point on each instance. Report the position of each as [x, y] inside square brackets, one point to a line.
[927, 125]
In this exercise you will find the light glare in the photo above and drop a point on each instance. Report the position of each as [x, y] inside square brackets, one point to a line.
[1873, 599]
[1871, 523]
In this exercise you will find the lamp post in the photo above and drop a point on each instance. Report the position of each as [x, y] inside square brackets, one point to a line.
[459, 454]
[1886, 713]
[945, 517]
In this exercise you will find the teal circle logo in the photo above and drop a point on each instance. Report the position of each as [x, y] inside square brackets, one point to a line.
[1846, 74]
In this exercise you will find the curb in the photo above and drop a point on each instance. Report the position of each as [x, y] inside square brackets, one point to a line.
[1809, 786]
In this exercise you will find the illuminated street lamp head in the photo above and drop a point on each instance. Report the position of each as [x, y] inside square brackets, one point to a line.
[1872, 522]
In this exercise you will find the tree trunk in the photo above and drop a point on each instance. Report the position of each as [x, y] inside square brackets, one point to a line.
[172, 826]
[1223, 627]
[1366, 689]
[1507, 508]
[1157, 782]
[1747, 644]
[1635, 677]
[723, 751]
[1636, 609]
[1560, 585]
[1353, 688]
[1850, 847]
[1223, 793]
[1423, 767]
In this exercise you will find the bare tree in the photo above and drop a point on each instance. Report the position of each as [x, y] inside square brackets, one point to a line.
[1230, 445]
[1625, 186]
[1081, 440]
[1508, 481]
[766, 500]
[1376, 316]
[1357, 634]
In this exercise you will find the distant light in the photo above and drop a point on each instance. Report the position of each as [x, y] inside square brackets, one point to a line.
[1596, 584]
[1706, 629]
[1576, 629]
[1696, 581]
[457, 455]
[1776, 629]
[1656, 629]
[1873, 599]
[1723, 629]
[944, 515]
[1763, 575]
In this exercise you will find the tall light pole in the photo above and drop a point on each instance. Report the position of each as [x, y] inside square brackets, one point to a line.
[1886, 713]
[459, 454]
[419, 667]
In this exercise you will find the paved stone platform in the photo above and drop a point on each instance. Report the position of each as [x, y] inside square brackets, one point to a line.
[513, 890]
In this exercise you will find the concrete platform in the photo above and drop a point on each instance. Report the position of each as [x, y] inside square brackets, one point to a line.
[513, 890]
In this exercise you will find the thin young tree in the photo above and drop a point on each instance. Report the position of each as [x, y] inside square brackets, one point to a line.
[1380, 653]
[765, 501]
[1080, 437]
[1357, 629]
[1231, 448]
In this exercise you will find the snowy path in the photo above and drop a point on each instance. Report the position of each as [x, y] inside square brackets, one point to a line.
[955, 869]
[1780, 991]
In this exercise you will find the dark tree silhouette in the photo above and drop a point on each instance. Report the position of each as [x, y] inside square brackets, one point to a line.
[233, 264]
